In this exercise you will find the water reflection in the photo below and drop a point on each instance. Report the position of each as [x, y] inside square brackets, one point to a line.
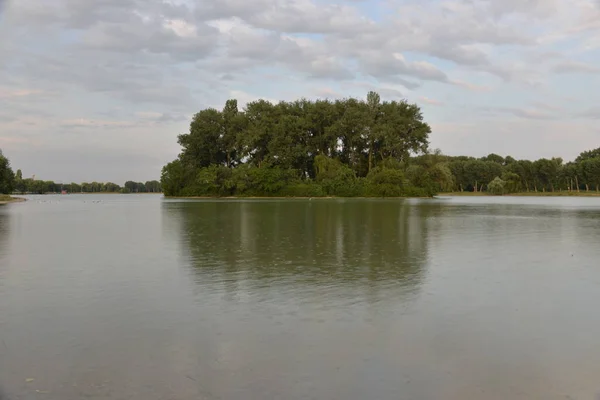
[342, 247]
[4, 231]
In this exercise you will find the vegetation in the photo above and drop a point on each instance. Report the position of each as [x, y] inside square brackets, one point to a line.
[7, 177]
[504, 175]
[307, 148]
[30, 185]
[347, 148]
[14, 183]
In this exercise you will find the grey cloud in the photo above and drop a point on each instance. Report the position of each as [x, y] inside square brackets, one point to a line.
[592, 113]
[247, 48]
[380, 65]
[121, 54]
[209, 10]
[387, 93]
[136, 35]
[567, 67]
[534, 113]
[300, 16]
[536, 8]
[306, 17]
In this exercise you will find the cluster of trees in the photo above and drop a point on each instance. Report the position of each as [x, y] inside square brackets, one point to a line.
[11, 182]
[504, 175]
[36, 186]
[346, 147]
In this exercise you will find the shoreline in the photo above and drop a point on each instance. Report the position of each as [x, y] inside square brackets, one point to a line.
[449, 194]
[5, 199]
[523, 194]
[286, 197]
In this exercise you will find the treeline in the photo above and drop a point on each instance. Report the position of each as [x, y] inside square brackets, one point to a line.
[504, 175]
[34, 186]
[11, 182]
[347, 147]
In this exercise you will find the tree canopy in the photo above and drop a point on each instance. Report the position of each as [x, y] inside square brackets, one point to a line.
[342, 147]
[7, 176]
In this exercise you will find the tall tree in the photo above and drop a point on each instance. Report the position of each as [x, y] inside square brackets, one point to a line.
[202, 145]
[7, 176]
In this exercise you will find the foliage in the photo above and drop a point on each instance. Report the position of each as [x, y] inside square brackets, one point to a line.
[386, 182]
[292, 148]
[497, 186]
[7, 176]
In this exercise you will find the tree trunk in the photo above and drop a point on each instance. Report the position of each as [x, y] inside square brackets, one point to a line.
[577, 183]
[587, 187]
[475, 186]
[481, 188]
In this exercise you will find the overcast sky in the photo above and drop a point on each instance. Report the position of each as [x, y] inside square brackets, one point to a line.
[100, 89]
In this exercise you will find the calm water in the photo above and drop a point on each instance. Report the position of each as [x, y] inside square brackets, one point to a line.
[137, 297]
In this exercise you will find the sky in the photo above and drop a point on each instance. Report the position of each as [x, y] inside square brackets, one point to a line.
[100, 89]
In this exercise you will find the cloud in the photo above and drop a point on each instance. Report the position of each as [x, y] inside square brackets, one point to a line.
[567, 67]
[89, 123]
[591, 113]
[12, 93]
[111, 71]
[531, 112]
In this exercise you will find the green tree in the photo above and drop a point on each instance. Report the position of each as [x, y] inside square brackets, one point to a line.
[202, 145]
[7, 176]
[297, 142]
[497, 186]
[588, 154]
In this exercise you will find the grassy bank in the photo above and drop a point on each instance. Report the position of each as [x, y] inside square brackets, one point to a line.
[528, 194]
[4, 199]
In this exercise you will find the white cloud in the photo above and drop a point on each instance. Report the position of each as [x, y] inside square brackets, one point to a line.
[153, 63]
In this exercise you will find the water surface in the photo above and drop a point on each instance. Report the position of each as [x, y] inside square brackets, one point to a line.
[137, 297]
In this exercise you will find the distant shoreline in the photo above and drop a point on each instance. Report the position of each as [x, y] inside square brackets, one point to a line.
[524, 194]
[287, 197]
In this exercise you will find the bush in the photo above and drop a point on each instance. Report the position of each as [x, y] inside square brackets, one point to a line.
[386, 182]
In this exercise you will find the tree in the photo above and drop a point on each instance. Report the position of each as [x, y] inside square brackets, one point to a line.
[295, 141]
[590, 171]
[153, 187]
[494, 158]
[202, 145]
[497, 186]
[588, 154]
[7, 176]
[512, 182]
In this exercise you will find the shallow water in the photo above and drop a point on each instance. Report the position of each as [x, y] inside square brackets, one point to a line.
[137, 297]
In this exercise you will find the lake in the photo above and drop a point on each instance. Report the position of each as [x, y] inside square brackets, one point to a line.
[138, 297]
